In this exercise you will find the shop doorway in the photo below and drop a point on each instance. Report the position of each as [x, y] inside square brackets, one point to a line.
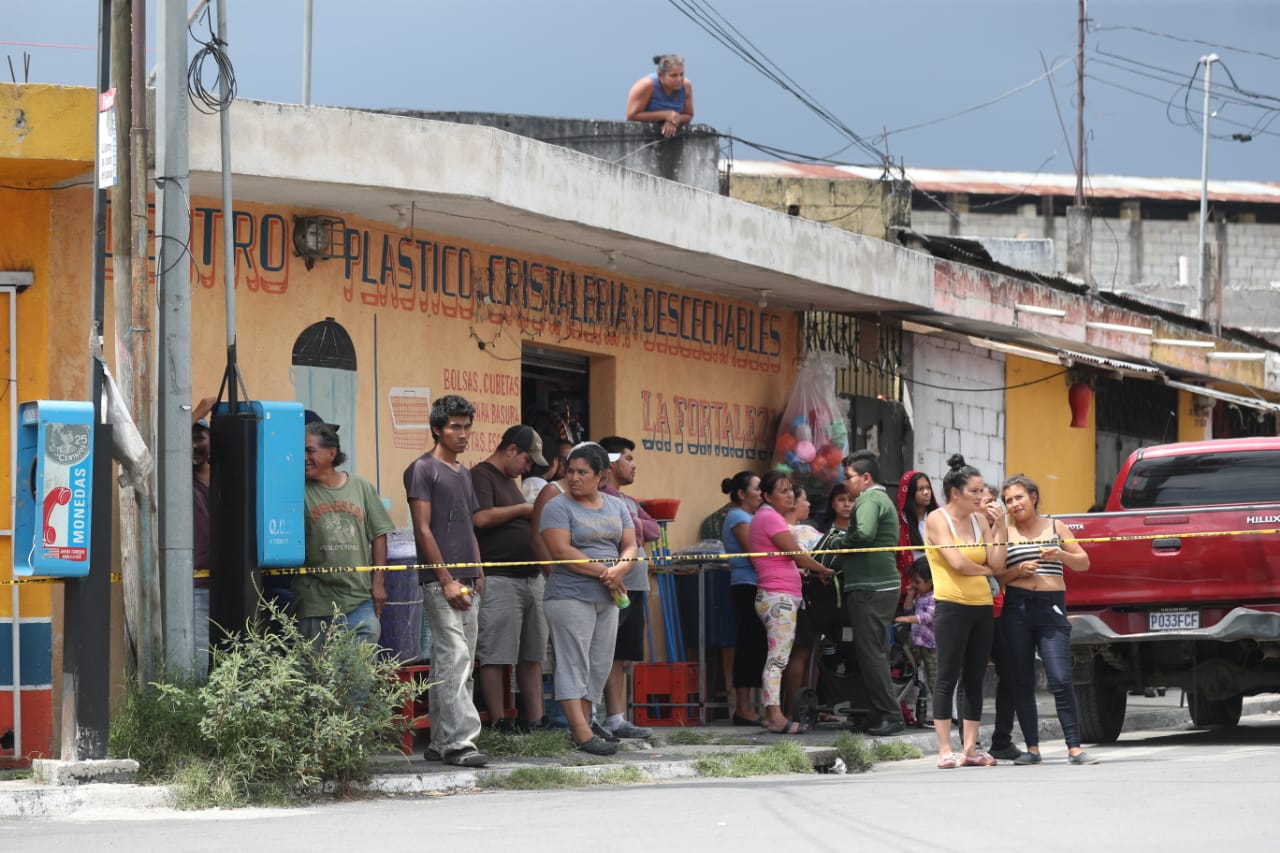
[1131, 413]
[554, 390]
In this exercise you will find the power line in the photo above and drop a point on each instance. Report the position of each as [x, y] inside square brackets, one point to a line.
[1098, 29]
[1011, 92]
[1165, 101]
[722, 30]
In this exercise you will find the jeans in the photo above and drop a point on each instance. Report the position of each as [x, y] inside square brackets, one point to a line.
[361, 621]
[870, 615]
[1037, 621]
[455, 722]
[1002, 657]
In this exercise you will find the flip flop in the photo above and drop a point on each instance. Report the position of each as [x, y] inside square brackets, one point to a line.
[791, 728]
[950, 761]
[739, 720]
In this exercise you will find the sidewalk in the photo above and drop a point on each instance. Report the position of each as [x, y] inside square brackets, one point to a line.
[655, 760]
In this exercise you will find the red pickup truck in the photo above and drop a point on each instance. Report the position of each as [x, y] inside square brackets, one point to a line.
[1184, 586]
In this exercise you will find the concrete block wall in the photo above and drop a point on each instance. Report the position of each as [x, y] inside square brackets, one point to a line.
[1252, 258]
[948, 415]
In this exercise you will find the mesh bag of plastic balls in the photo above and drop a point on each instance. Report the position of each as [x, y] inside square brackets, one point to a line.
[813, 436]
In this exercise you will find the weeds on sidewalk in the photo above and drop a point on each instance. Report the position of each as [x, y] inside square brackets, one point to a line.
[772, 760]
[540, 743]
[860, 755]
[280, 716]
[543, 778]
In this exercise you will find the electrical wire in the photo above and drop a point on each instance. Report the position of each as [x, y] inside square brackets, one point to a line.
[209, 100]
[711, 21]
[1094, 27]
[1010, 93]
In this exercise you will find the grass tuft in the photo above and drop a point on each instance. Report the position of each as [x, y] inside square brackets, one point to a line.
[690, 737]
[542, 743]
[548, 778]
[775, 759]
[858, 755]
[897, 750]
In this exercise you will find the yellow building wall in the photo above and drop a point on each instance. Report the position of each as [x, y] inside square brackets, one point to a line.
[25, 246]
[696, 380]
[1195, 421]
[1038, 440]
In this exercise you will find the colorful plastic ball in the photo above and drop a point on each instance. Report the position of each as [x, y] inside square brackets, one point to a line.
[786, 469]
[785, 444]
[803, 433]
[805, 451]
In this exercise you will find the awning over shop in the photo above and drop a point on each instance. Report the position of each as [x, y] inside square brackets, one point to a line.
[1226, 396]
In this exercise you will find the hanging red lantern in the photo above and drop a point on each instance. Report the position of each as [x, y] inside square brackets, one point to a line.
[1079, 396]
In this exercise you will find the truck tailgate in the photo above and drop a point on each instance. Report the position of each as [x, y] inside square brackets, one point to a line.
[1177, 557]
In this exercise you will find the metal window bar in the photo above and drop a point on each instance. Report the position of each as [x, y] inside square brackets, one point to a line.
[874, 351]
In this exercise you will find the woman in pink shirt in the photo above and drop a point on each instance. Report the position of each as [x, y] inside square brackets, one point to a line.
[778, 598]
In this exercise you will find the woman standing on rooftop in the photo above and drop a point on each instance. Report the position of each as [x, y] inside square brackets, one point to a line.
[664, 96]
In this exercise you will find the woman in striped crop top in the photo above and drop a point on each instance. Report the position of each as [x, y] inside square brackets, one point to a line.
[1035, 614]
[969, 552]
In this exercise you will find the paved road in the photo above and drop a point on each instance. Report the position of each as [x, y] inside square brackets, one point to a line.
[1164, 791]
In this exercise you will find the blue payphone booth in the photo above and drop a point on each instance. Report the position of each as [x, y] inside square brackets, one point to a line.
[280, 481]
[54, 482]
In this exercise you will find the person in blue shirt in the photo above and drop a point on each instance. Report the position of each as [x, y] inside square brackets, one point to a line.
[664, 96]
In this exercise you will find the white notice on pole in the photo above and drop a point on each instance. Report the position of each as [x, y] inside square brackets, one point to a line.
[107, 139]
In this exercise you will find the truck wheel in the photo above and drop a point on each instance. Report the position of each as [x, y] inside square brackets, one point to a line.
[1222, 712]
[1102, 707]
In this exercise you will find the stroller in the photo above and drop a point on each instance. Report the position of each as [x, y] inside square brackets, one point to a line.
[839, 689]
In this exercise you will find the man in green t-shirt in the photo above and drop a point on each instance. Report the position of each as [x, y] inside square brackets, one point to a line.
[871, 586]
[347, 527]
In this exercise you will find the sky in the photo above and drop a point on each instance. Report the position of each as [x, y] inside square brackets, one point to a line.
[903, 66]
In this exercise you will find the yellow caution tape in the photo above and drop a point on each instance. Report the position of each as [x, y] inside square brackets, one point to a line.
[687, 559]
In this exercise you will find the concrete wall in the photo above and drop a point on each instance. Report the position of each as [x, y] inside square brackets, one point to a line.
[947, 416]
[864, 207]
[691, 157]
[1141, 256]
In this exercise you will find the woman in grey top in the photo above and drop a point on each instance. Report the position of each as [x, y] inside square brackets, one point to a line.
[593, 533]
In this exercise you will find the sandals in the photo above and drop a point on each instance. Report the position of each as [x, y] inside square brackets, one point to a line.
[739, 720]
[950, 761]
[979, 759]
[791, 728]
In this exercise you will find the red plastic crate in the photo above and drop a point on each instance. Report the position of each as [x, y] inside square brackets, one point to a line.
[666, 694]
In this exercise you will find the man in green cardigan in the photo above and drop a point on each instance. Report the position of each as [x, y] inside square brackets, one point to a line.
[871, 586]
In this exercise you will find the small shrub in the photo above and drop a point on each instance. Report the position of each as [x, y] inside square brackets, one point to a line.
[159, 727]
[279, 716]
[858, 755]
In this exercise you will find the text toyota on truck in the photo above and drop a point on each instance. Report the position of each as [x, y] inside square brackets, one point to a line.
[1185, 589]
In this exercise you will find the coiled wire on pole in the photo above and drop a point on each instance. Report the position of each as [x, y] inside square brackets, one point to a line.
[209, 99]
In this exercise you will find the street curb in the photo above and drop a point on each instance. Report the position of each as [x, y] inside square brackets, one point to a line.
[29, 799]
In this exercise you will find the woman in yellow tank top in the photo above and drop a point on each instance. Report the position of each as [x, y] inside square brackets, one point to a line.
[963, 621]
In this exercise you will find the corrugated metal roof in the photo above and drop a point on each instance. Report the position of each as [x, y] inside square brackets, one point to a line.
[1029, 183]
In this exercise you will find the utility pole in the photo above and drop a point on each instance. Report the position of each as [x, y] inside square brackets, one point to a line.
[1079, 226]
[134, 317]
[306, 54]
[1204, 292]
[86, 671]
[173, 270]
